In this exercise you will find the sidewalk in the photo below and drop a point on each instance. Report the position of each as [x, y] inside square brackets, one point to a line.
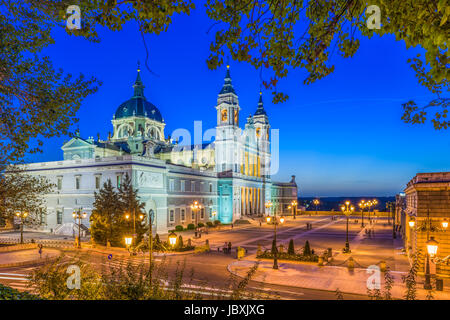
[24, 257]
[327, 278]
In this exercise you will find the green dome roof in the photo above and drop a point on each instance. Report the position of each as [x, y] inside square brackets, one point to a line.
[138, 105]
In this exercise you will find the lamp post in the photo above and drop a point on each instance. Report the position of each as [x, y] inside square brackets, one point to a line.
[347, 209]
[391, 207]
[432, 246]
[362, 205]
[150, 240]
[294, 207]
[268, 205]
[77, 214]
[172, 239]
[22, 215]
[127, 217]
[128, 242]
[196, 206]
[316, 203]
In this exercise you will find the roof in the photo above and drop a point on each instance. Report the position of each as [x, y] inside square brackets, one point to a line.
[138, 104]
[227, 86]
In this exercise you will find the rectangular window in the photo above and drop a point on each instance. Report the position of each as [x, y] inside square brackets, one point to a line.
[210, 187]
[59, 217]
[183, 215]
[97, 182]
[192, 186]
[171, 185]
[77, 182]
[119, 180]
[183, 186]
[171, 216]
[59, 183]
[202, 213]
[192, 215]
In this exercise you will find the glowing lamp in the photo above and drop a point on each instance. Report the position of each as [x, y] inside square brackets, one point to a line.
[282, 220]
[127, 216]
[128, 241]
[268, 219]
[432, 246]
[172, 239]
[412, 223]
[445, 224]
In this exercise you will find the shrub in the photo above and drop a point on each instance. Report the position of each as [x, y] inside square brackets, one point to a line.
[291, 250]
[201, 224]
[179, 228]
[191, 226]
[307, 249]
[180, 243]
[209, 224]
[216, 222]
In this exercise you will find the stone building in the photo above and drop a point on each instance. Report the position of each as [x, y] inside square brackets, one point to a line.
[229, 176]
[427, 207]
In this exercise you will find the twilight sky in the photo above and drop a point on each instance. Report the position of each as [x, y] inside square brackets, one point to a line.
[341, 136]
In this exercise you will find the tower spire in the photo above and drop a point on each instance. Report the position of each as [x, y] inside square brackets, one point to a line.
[260, 110]
[138, 84]
[227, 86]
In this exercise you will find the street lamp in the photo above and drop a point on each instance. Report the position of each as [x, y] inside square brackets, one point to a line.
[127, 217]
[432, 246]
[79, 215]
[316, 203]
[128, 242]
[445, 224]
[22, 216]
[281, 219]
[294, 207]
[347, 210]
[195, 207]
[362, 205]
[172, 239]
[268, 218]
[412, 223]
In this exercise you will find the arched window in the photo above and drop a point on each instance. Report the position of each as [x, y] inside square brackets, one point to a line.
[124, 131]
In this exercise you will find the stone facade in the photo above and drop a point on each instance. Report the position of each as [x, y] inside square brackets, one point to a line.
[427, 202]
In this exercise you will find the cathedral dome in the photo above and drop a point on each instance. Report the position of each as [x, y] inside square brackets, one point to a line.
[138, 106]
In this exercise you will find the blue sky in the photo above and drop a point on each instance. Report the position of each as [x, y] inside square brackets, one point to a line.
[341, 136]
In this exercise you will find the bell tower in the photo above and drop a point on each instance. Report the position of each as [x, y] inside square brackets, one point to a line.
[227, 129]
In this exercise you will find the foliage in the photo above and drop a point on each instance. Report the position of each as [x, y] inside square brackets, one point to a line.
[201, 224]
[8, 293]
[339, 295]
[190, 226]
[306, 249]
[108, 222]
[217, 222]
[179, 228]
[286, 256]
[106, 219]
[209, 224]
[388, 284]
[131, 204]
[179, 244]
[129, 281]
[24, 192]
[291, 250]
[410, 278]
[279, 36]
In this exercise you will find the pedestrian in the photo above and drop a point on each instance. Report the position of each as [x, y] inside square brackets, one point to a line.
[225, 247]
[231, 226]
[260, 223]
[40, 250]
[229, 247]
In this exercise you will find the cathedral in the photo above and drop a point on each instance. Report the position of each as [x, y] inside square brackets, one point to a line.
[230, 177]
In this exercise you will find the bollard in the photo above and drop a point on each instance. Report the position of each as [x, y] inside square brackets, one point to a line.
[350, 263]
[207, 245]
[330, 252]
[281, 250]
[382, 266]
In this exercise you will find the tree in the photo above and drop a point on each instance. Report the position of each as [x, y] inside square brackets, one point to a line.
[279, 36]
[107, 216]
[306, 249]
[130, 203]
[37, 101]
[291, 250]
[24, 193]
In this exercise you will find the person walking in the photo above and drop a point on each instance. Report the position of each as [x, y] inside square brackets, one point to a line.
[229, 247]
[40, 250]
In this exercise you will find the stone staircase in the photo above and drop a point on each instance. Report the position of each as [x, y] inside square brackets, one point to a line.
[71, 229]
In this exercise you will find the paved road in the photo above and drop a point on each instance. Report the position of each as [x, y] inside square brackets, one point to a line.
[211, 268]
